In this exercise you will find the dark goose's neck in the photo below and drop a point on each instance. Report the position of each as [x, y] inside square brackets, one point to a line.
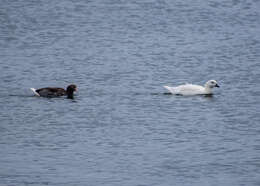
[70, 94]
[70, 90]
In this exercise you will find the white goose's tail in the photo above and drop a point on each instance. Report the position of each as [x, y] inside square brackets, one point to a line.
[169, 88]
[34, 91]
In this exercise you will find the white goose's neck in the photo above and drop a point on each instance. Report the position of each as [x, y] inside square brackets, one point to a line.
[208, 90]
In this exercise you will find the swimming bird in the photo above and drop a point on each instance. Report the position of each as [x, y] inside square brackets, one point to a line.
[190, 89]
[55, 91]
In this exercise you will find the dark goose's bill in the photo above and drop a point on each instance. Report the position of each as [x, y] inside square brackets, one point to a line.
[55, 91]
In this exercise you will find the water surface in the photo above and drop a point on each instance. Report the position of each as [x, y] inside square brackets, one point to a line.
[121, 129]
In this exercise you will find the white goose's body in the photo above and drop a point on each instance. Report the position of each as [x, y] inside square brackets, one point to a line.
[190, 89]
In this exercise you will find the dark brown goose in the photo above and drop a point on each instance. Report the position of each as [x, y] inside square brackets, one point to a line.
[55, 91]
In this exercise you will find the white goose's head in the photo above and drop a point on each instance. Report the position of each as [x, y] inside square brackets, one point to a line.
[211, 84]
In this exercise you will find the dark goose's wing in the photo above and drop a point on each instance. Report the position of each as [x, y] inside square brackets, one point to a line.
[51, 92]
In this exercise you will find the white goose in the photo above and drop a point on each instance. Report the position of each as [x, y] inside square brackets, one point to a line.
[190, 89]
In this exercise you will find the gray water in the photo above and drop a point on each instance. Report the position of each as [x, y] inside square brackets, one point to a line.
[121, 129]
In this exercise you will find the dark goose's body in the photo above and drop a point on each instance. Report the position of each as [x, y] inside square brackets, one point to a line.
[55, 91]
[51, 92]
